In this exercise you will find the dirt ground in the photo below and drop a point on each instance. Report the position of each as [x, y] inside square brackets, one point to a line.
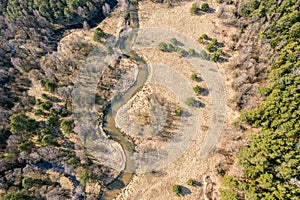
[158, 185]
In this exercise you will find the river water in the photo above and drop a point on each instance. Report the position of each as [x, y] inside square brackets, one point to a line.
[109, 126]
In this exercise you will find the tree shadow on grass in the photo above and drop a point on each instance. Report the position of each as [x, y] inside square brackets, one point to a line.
[222, 60]
[211, 10]
[185, 191]
[116, 184]
[205, 92]
[185, 114]
[159, 173]
[179, 44]
[197, 184]
[199, 104]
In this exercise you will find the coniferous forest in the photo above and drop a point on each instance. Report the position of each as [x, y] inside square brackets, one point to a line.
[271, 160]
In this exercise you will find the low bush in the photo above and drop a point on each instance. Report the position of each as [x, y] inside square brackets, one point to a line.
[84, 177]
[194, 9]
[190, 102]
[177, 189]
[25, 146]
[197, 89]
[194, 77]
[204, 55]
[191, 52]
[205, 7]
[98, 34]
[210, 47]
[174, 41]
[67, 126]
[178, 111]
[163, 46]
[190, 182]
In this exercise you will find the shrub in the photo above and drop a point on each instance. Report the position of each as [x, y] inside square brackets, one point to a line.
[190, 101]
[50, 86]
[191, 52]
[205, 7]
[294, 31]
[98, 34]
[194, 77]
[197, 89]
[52, 121]
[20, 194]
[11, 158]
[20, 123]
[38, 112]
[163, 46]
[174, 41]
[194, 9]
[264, 90]
[214, 41]
[84, 176]
[215, 56]
[204, 55]
[43, 82]
[170, 48]
[74, 161]
[177, 189]
[67, 126]
[181, 52]
[204, 36]
[45, 96]
[48, 140]
[28, 182]
[200, 40]
[26, 146]
[210, 47]
[178, 111]
[190, 182]
[45, 131]
[38, 102]
[53, 111]
[46, 105]
[25, 136]
[228, 194]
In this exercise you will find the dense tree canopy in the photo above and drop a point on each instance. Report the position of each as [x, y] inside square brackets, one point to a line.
[271, 162]
[57, 11]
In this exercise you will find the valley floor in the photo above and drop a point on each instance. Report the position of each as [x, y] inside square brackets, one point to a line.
[158, 185]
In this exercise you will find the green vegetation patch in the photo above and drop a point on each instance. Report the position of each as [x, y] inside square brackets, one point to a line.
[177, 189]
[271, 160]
[178, 111]
[21, 123]
[56, 11]
[190, 182]
[67, 126]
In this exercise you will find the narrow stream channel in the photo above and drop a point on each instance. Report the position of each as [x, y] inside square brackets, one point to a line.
[109, 126]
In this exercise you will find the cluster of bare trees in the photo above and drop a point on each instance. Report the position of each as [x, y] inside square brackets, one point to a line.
[23, 42]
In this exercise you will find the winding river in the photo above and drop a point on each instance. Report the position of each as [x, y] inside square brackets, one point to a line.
[109, 125]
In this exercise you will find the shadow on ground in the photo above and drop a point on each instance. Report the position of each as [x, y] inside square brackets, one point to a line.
[185, 191]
